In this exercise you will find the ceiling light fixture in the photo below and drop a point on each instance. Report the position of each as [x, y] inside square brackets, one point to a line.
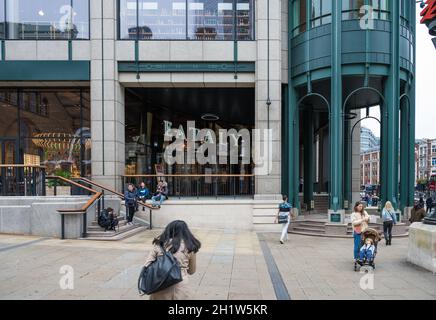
[210, 117]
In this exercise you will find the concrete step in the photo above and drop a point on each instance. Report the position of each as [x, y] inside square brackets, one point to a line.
[110, 233]
[117, 236]
[311, 225]
[308, 230]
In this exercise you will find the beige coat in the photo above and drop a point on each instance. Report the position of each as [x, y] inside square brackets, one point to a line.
[187, 262]
[358, 219]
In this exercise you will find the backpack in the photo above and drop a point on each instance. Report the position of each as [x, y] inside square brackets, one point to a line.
[160, 274]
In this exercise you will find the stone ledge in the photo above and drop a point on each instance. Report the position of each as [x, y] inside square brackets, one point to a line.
[422, 246]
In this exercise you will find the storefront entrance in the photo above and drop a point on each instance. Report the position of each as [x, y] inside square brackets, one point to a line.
[151, 113]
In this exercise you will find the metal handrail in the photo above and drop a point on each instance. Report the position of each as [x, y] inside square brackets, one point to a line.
[83, 210]
[119, 194]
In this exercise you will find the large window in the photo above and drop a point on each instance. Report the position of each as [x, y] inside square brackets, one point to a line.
[186, 19]
[321, 12]
[45, 19]
[48, 127]
[351, 9]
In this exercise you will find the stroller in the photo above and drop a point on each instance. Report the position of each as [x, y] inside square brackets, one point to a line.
[375, 236]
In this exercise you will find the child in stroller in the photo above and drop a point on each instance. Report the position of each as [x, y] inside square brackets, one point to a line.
[368, 250]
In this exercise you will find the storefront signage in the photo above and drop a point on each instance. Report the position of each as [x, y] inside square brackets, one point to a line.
[429, 12]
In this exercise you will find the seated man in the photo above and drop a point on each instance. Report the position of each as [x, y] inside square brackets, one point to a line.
[161, 194]
[367, 251]
[143, 194]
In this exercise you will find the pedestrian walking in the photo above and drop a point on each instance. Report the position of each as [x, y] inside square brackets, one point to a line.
[429, 204]
[359, 220]
[131, 199]
[389, 220]
[284, 218]
[177, 239]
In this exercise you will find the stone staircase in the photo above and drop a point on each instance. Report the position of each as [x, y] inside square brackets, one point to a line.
[95, 232]
[321, 202]
[309, 227]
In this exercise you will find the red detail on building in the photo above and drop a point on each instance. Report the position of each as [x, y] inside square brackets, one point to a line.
[429, 12]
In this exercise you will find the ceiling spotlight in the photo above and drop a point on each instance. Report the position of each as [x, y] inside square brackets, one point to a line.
[210, 117]
[41, 13]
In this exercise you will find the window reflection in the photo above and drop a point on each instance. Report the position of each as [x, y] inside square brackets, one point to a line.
[53, 128]
[351, 9]
[186, 19]
[2, 19]
[47, 19]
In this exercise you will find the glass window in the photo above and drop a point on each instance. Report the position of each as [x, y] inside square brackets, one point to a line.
[245, 20]
[299, 24]
[433, 161]
[163, 19]
[351, 9]
[128, 19]
[2, 19]
[210, 19]
[199, 20]
[321, 12]
[80, 18]
[53, 128]
[47, 19]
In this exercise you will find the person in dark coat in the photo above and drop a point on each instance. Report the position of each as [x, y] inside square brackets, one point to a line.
[429, 204]
[131, 199]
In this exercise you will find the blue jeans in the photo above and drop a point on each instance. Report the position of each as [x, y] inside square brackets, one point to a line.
[154, 199]
[357, 240]
[366, 254]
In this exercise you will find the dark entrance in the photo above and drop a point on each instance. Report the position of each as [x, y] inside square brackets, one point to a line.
[151, 111]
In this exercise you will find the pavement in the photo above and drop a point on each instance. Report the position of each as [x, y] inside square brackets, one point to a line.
[230, 265]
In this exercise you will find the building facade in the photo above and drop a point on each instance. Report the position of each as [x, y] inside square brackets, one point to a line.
[94, 88]
[370, 167]
[426, 158]
[368, 140]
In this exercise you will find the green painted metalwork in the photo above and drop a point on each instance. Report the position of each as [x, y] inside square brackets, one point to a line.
[44, 70]
[3, 50]
[336, 122]
[392, 105]
[308, 137]
[242, 67]
[405, 165]
[285, 144]
[70, 50]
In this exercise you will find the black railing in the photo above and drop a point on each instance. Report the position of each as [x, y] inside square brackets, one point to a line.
[214, 185]
[22, 180]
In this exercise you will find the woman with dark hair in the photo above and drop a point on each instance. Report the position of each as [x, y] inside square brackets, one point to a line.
[359, 220]
[177, 239]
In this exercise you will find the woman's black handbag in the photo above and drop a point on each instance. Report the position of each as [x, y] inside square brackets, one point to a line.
[161, 274]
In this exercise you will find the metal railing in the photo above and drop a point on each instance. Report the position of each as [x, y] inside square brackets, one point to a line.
[96, 197]
[22, 180]
[121, 195]
[198, 185]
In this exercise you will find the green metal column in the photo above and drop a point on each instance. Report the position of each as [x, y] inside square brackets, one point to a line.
[293, 133]
[391, 132]
[348, 158]
[336, 113]
[405, 165]
[308, 137]
[411, 180]
[285, 143]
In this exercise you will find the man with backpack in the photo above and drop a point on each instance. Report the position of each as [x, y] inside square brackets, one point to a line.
[131, 199]
[107, 219]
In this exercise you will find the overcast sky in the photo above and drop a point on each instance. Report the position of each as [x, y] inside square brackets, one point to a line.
[425, 87]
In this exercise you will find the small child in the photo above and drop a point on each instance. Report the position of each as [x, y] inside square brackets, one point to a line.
[367, 251]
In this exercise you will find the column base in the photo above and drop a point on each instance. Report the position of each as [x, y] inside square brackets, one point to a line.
[336, 216]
